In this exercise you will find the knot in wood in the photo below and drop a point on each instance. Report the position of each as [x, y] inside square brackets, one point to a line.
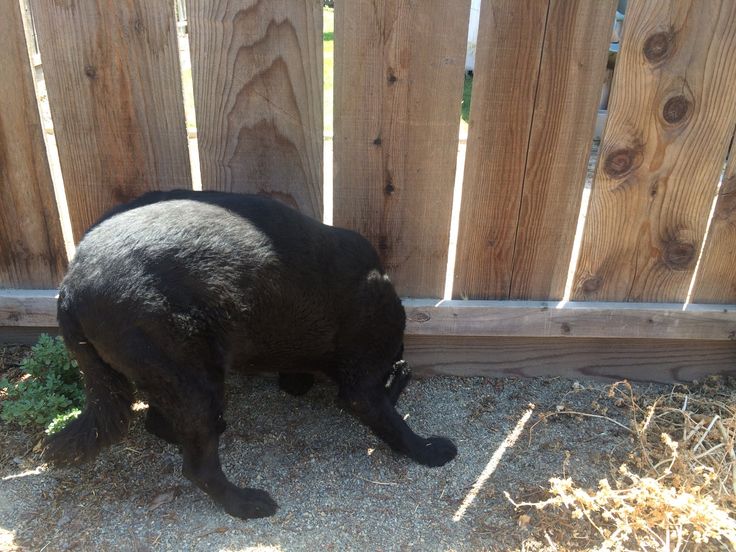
[621, 162]
[592, 284]
[676, 109]
[679, 255]
[377, 141]
[389, 189]
[420, 317]
[90, 71]
[657, 47]
[382, 243]
[391, 78]
[565, 328]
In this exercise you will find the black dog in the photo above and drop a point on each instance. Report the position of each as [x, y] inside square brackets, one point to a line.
[169, 291]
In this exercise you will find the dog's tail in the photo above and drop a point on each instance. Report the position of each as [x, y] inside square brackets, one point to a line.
[107, 413]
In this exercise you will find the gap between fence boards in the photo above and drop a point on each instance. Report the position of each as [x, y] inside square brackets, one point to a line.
[427, 317]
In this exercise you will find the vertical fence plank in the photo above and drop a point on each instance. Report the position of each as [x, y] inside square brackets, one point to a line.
[508, 55]
[31, 245]
[398, 89]
[574, 56]
[113, 80]
[257, 70]
[672, 113]
[716, 279]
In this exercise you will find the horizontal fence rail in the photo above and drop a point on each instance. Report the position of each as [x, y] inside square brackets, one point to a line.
[656, 342]
[37, 308]
[499, 222]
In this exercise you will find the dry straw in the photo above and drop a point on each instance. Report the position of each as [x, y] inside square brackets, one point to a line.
[679, 490]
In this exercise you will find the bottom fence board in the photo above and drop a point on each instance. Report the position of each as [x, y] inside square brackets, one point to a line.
[13, 335]
[570, 319]
[639, 360]
[27, 308]
[486, 338]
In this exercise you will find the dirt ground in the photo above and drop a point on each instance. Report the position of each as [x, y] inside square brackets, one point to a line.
[338, 486]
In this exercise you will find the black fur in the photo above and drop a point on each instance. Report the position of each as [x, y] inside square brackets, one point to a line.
[168, 292]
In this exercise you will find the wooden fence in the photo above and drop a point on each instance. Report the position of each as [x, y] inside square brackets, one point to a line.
[653, 292]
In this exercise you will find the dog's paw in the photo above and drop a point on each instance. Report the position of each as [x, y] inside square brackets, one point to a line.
[436, 451]
[249, 503]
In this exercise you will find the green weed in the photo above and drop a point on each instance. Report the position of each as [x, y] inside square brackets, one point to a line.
[50, 391]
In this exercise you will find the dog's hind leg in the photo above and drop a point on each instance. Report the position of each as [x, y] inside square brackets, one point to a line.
[182, 380]
[202, 466]
[196, 425]
[190, 397]
[109, 396]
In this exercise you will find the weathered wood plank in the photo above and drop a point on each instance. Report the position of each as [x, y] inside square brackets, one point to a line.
[490, 318]
[398, 87]
[571, 76]
[671, 116]
[508, 54]
[640, 360]
[24, 336]
[610, 359]
[257, 74]
[114, 86]
[32, 250]
[716, 278]
[573, 320]
[28, 307]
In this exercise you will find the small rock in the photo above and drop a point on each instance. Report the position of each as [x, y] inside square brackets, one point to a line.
[163, 498]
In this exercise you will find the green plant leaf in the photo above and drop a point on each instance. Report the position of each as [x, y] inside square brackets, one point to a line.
[54, 387]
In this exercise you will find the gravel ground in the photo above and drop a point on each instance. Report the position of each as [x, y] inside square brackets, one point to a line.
[338, 486]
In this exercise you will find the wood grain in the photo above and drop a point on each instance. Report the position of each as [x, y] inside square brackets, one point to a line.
[257, 75]
[573, 320]
[398, 88]
[716, 278]
[671, 116]
[524, 339]
[28, 308]
[508, 55]
[114, 87]
[608, 359]
[571, 77]
[32, 250]
[489, 318]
